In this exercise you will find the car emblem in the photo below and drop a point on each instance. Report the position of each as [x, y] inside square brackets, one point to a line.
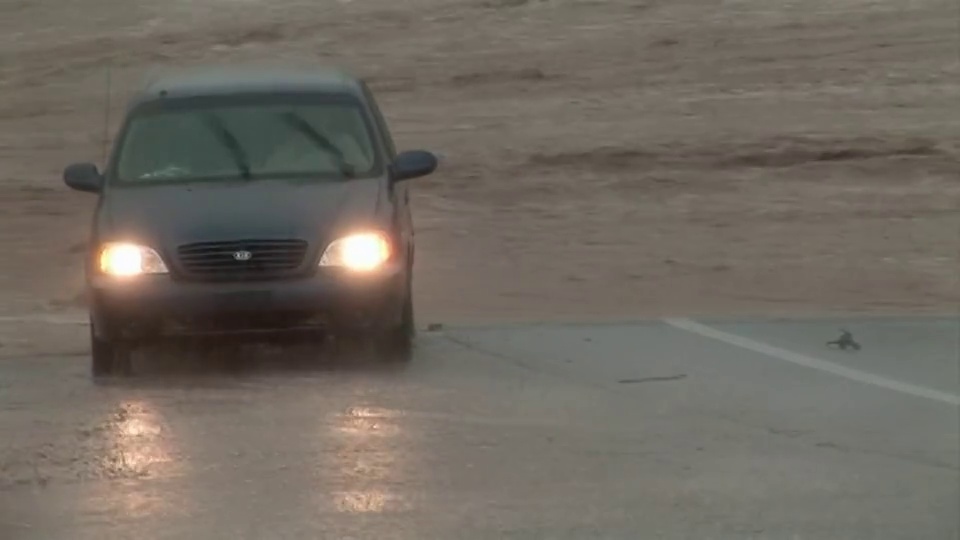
[242, 255]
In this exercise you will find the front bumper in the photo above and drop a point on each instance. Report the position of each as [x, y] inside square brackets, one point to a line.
[160, 306]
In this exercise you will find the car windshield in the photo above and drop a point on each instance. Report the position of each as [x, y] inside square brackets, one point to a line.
[251, 141]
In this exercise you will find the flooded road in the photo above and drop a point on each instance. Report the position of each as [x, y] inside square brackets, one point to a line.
[544, 431]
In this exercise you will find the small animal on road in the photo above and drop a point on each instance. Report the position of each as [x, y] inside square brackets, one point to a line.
[844, 342]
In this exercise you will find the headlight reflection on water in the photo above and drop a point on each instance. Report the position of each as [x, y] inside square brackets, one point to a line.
[133, 442]
[368, 460]
[369, 422]
[137, 446]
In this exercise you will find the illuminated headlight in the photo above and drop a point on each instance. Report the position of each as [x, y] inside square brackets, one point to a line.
[361, 252]
[124, 260]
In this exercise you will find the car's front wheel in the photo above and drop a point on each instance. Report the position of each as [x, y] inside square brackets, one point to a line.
[108, 357]
[391, 344]
[396, 344]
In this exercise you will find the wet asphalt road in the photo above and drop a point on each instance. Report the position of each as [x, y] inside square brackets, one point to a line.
[707, 430]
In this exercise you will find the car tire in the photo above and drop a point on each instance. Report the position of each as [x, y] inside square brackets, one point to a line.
[108, 358]
[390, 345]
[396, 344]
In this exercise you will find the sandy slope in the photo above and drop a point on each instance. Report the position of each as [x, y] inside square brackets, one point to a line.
[601, 158]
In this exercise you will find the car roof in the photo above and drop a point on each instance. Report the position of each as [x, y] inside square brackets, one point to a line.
[226, 81]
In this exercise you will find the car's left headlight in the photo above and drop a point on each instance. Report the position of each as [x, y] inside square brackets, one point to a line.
[362, 252]
[121, 259]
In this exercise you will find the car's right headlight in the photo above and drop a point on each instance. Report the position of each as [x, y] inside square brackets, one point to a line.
[123, 259]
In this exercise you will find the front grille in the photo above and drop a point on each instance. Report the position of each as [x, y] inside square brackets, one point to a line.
[242, 259]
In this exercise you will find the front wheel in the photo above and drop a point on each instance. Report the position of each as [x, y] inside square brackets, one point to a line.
[396, 344]
[107, 357]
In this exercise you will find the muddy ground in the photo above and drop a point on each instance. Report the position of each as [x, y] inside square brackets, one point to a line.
[601, 159]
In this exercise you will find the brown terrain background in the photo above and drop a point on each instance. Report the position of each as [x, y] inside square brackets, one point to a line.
[600, 159]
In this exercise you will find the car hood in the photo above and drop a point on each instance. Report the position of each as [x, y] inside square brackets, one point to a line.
[171, 215]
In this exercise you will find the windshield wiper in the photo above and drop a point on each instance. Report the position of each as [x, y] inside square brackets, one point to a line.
[229, 140]
[298, 123]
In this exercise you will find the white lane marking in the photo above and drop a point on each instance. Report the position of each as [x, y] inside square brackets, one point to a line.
[814, 363]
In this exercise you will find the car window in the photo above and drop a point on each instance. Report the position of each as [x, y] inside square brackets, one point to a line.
[380, 120]
[259, 141]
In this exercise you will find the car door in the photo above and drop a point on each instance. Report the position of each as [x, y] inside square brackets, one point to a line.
[400, 194]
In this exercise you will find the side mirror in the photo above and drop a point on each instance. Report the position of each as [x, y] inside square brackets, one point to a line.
[83, 177]
[413, 164]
